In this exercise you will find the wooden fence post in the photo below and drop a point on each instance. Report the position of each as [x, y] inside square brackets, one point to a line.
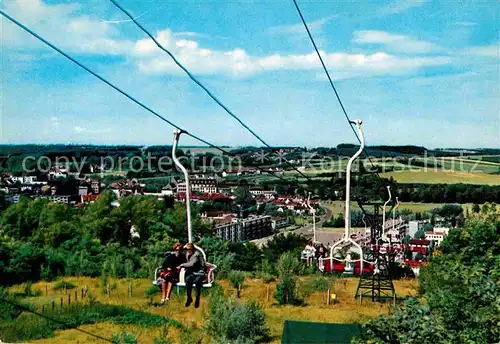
[69, 299]
[53, 304]
[82, 294]
[43, 308]
[61, 302]
[46, 290]
[76, 295]
[328, 297]
[267, 292]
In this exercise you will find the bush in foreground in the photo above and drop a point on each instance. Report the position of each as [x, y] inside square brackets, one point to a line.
[232, 321]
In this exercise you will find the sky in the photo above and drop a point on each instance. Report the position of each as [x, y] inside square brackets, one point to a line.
[415, 71]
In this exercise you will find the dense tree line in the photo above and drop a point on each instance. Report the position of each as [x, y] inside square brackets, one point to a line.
[43, 240]
[449, 193]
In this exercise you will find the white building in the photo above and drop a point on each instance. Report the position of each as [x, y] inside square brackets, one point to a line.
[437, 235]
[261, 192]
[204, 185]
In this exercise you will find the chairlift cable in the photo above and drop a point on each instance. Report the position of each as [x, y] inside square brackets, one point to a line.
[351, 123]
[200, 84]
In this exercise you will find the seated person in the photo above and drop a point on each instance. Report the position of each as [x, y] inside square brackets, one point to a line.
[310, 250]
[195, 274]
[321, 253]
[170, 273]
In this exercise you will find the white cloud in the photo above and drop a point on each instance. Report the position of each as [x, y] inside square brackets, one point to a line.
[394, 42]
[239, 63]
[314, 26]
[78, 129]
[492, 50]
[65, 28]
[399, 6]
[90, 131]
[83, 34]
[380, 64]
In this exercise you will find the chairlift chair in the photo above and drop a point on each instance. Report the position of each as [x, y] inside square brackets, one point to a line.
[210, 268]
[209, 274]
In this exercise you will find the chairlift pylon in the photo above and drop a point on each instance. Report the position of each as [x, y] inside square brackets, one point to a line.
[313, 211]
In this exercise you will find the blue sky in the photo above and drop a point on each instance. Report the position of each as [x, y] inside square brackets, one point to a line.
[415, 71]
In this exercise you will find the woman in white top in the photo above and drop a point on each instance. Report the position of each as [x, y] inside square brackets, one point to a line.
[311, 251]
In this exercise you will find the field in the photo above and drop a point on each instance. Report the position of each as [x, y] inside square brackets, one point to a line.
[448, 170]
[443, 177]
[347, 309]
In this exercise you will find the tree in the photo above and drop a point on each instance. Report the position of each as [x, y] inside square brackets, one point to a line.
[448, 210]
[406, 239]
[476, 208]
[243, 196]
[420, 234]
[282, 243]
[176, 220]
[485, 208]
[237, 278]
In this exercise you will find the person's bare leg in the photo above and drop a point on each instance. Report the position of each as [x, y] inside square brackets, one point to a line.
[169, 290]
[163, 291]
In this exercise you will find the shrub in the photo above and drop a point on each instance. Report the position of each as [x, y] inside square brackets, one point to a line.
[61, 284]
[7, 310]
[237, 278]
[265, 277]
[319, 283]
[306, 270]
[124, 338]
[162, 339]
[234, 321]
[224, 265]
[267, 268]
[288, 263]
[266, 272]
[28, 291]
[286, 291]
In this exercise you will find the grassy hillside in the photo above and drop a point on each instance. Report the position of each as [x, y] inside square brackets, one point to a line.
[346, 310]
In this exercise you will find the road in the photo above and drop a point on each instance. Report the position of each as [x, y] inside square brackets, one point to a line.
[307, 231]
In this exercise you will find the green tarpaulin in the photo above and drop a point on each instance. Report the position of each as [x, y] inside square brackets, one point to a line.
[304, 332]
